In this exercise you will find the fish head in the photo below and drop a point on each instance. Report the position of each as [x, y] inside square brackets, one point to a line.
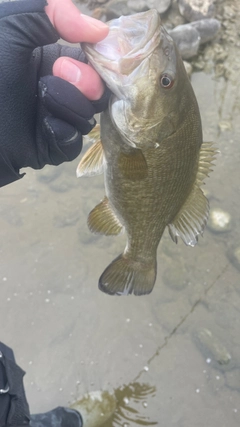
[140, 63]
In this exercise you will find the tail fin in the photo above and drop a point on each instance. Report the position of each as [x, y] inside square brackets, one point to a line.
[125, 276]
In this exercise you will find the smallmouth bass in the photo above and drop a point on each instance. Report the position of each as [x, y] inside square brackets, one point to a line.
[150, 150]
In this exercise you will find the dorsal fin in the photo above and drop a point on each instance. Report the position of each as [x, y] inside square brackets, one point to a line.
[102, 220]
[92, 161]
[206, 157]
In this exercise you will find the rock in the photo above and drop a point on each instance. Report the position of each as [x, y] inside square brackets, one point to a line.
[234, 255]
[193, 10]
[160, 5]
[207, 29]
[187, 40]
[225, 125]
[116, 8]
[188, 68]
[212, 348]
[219, 221]
[139, 6]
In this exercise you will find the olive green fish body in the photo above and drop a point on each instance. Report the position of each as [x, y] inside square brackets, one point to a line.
[151, 151]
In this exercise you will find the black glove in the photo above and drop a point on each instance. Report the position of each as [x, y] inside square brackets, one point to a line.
[40, 122]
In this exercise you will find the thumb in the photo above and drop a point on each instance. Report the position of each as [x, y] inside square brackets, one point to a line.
[72, 25]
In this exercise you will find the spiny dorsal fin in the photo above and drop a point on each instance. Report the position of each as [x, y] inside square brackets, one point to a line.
[206, 157]
[191, 219]
[102, 220]
[92, 161]
[133, 164]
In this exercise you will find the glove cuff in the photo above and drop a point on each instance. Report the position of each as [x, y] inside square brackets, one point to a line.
[7, 173]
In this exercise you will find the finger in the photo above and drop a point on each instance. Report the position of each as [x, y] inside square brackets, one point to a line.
[67, 103]
[64, 141]
[72, 25]
[81, 75]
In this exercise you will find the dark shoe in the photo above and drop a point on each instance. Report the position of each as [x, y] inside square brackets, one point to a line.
[58, 417]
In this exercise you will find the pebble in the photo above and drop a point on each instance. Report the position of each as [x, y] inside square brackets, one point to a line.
[114, 9]
[219, 221]
[188, 68]
[234, 255]
[211, 347]
[193, 10]
[187, 40]
[207, 29]
[160, 5]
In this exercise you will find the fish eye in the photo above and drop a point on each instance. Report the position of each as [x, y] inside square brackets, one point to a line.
[166, 81]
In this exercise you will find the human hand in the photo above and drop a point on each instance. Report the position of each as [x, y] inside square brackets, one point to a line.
[45, 127]
[75, 27]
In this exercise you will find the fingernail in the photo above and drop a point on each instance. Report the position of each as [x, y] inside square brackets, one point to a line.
[70, 72]
[94, 22]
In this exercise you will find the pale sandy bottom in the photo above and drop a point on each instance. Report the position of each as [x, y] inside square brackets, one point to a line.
[71, 338]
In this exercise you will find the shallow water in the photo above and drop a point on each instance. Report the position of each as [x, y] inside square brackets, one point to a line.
[172, 358]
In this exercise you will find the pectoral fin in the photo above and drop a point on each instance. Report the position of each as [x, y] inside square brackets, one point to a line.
[102, 220]
[133, 164]
[92, 161]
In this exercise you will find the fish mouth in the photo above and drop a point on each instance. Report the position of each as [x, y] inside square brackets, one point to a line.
[130, 40]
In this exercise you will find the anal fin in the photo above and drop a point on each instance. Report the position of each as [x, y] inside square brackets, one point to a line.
[102, 220]
[92, 161]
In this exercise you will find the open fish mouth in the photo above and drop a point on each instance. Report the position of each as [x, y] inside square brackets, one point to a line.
[130, 40]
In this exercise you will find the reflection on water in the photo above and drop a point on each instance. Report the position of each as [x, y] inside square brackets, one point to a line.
[132, 404]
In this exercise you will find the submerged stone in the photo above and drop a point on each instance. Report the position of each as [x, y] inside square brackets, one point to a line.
[211, 347]
[219, 221]
[193, 10]
[139, 6]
